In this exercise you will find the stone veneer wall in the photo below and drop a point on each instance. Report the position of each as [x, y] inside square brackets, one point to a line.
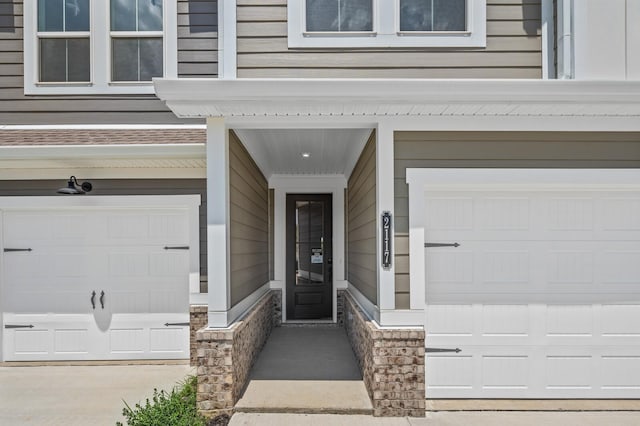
[225, 358]
[391, 361]
[198, 318]
[277, 307]
[340, 308]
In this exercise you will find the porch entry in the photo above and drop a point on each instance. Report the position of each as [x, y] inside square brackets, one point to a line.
[309, 256]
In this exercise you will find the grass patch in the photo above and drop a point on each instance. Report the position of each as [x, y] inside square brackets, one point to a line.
[177, 408]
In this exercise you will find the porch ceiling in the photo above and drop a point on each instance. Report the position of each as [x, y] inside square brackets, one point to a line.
[280, 151]
[399, 98]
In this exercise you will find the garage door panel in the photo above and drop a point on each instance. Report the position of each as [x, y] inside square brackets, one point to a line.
[506, 372]
[621, 372]
[621, 320]
[542, 295]
[117, 251]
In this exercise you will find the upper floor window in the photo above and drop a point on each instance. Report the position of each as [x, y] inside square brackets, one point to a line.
[387, 23]
[339, 15]
[98, 46]
[64, 41]
[433, 15]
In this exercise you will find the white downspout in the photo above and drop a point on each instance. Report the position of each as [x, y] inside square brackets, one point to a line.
[566, 57]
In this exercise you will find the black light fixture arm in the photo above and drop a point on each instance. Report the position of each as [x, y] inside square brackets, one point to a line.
[74, 187]
[86, 186]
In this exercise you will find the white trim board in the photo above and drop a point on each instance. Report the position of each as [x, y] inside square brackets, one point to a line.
[308, 184]
[225, 319]
[421, 180]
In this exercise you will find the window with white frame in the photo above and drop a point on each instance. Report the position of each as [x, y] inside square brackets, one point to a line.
[64, 41]
[339, 15]
[98, 46]
[387, 23]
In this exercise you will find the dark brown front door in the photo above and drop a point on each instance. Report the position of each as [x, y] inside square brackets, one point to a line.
[309, 256]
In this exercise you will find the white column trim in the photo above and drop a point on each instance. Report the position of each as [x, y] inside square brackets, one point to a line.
[217, 319]
[307, 184]
[370, 310]
[218, 250]
[385, 203]
[417, 281]
[227, 39]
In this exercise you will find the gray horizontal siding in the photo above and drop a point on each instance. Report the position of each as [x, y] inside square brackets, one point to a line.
[361, 223]
[514, 49]
[197, 57]
[13, 188]
[499, 150]
[197, 38]
[249, 225]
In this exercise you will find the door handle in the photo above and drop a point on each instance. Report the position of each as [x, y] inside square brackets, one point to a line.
[93, 299]
[102, 299]
[11, 250]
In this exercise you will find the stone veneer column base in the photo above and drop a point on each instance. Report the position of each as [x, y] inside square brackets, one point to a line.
[391, 361]
[225, 357]
[198, 318]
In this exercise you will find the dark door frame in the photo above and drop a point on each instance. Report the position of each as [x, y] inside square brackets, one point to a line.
[325, 308]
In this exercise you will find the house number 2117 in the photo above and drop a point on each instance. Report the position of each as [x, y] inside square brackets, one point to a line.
[386, 240]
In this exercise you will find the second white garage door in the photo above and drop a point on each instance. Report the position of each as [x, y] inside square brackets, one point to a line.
[88, 283]
[543, 294]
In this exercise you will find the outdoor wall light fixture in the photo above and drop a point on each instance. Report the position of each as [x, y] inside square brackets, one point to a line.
[72, 187]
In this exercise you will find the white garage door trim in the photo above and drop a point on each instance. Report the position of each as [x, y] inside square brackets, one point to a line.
[189, 204]
[421, 180]
[447, 186]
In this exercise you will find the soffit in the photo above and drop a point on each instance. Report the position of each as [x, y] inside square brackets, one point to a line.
[280, 151]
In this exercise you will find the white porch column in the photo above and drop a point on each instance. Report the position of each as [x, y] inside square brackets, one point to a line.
[385, 203]
[218, 262]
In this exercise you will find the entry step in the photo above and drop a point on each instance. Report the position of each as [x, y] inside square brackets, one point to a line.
[305, 396]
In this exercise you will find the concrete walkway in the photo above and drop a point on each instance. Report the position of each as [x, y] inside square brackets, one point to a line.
[446, 418]
[306, 370]
[79, 395]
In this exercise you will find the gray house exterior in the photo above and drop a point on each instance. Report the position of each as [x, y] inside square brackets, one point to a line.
[430, 178]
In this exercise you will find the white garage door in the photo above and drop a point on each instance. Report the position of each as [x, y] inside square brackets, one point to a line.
[95, 284]
[543, 294]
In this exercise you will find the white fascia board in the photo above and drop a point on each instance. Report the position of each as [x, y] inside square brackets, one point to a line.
[212, 93]
[125, 201]
[35, 152]
[102, 126]
[469, 179]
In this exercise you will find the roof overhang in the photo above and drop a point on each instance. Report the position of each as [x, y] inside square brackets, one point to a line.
[367, 98]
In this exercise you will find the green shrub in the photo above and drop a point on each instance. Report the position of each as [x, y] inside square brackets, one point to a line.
[177, 408]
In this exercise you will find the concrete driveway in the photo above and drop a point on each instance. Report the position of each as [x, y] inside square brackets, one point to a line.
[446, 418]
[79, 395]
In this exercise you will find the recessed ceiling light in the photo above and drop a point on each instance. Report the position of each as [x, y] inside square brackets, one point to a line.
[306, 155]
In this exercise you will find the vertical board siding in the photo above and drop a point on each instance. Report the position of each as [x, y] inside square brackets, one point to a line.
[361, 223]
[514, 49]
[101, 187]
[197, 57]
[249, 223]
[496, 150]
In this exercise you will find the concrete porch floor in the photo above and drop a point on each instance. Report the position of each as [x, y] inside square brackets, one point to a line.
[306, 370]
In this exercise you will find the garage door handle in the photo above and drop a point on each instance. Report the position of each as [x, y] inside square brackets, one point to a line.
[181, 324]
[11, 250]
[18, 326]
[93, 299]
[441, 245]
[176, 247]
[456, 350]
[102, 299]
